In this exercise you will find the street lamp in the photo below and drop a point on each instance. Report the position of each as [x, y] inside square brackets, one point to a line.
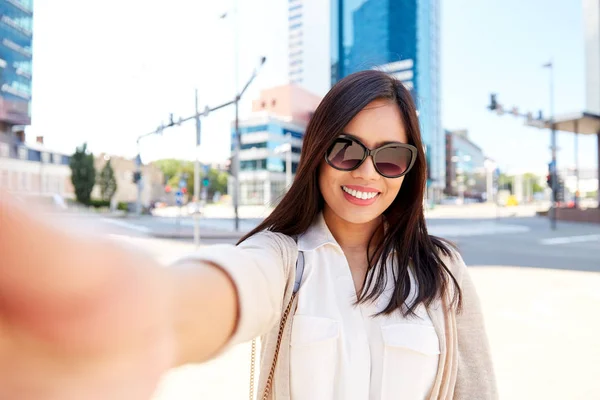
[238, 145]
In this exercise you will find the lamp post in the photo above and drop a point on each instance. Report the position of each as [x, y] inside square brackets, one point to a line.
[553, 170]
[238, 145]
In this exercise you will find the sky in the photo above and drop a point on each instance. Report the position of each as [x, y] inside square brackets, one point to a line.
[107, 72]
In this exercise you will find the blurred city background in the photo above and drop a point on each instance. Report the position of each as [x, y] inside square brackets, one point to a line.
[172, 125]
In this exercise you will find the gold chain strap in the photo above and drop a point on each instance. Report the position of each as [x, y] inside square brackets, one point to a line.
[269, 384]
[252, 364]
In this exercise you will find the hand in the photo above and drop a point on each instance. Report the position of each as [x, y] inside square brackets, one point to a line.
[80, 317]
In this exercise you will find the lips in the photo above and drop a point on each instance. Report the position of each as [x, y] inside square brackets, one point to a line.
[360, 195]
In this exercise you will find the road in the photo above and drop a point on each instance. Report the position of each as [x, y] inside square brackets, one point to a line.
[520, 241]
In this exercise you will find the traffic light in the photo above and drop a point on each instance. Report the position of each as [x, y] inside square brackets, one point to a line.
[137, 176]
[493, 102]
[549, 180]
[205, 182]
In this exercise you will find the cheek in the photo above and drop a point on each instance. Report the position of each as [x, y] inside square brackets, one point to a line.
[329, 179]
[393, 187]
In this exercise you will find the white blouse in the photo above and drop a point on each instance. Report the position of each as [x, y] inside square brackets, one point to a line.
[338, 350]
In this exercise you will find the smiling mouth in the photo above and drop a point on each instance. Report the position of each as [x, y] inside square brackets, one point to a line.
[360, 195]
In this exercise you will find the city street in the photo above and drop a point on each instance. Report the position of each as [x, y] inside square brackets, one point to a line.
[525, 241]
[540, 292]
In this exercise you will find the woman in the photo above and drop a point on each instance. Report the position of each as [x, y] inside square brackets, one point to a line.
[383, 311]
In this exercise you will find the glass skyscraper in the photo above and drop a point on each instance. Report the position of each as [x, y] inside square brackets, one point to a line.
[400, 37]
[15, 62]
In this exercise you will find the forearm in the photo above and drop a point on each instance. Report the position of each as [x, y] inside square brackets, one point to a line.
[205, 310]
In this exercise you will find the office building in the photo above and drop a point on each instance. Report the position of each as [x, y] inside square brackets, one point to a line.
[309, 48]
[271, 141]
[400, 37]
[15, 64]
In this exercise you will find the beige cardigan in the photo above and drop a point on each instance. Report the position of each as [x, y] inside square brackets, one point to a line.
[465, 370]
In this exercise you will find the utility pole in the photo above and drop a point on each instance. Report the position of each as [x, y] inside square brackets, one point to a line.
[554, 170]
[197, 173]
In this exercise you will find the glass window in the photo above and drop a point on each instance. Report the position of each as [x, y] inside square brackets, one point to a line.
[247, 146]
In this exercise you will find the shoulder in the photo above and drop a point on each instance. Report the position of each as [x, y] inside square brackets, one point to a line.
[274, 243]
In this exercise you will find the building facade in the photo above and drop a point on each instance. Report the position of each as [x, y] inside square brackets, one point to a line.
[401, 38]
[465, 166]
[32, 169]
[591, 16]
[16, 18]
[153, 180]
[271, 143]
[308, 64]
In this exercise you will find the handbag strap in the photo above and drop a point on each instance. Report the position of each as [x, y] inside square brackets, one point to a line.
[284, 318]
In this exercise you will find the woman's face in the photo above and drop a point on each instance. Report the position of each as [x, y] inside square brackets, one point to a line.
[379, 122]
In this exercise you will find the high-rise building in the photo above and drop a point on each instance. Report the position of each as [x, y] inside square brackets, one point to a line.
[400, 37]
[308, 60]
[15, 63]
[591, 15]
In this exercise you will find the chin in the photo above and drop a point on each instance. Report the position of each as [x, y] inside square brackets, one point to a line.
[353, 216]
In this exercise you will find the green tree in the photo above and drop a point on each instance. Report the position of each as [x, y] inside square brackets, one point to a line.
[505, 182]
[176, 170]
[107, 182]
[529, 177]
[218, 182]
[83, 174]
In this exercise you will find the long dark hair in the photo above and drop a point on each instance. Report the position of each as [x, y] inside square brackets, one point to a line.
[406, 231]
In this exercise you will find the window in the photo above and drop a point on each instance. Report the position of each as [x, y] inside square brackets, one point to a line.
[247, 146]
[253, 165]
[252, 192]
[250, 129]
[296, 25]
[23, 153]
[297, 135]
[295, 7]
[4, 177]
[295, 17]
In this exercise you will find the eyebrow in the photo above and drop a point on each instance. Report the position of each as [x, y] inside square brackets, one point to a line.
[376, 144]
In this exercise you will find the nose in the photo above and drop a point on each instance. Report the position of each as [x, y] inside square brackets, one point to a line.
[366, 171]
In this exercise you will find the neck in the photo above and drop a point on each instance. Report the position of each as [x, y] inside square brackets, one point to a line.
[350, 236]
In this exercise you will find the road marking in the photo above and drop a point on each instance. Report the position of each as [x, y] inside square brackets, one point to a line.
[127, 225]
[459, 230]
[570, 239]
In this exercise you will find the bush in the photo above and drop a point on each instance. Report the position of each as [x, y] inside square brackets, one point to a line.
[99, 203]
[122, 206]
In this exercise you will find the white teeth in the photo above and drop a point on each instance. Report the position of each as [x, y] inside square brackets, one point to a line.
[359, 195]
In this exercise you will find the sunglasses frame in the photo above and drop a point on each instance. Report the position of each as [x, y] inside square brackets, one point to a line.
[368, 152]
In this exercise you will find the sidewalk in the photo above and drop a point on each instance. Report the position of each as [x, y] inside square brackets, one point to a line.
[543, 328]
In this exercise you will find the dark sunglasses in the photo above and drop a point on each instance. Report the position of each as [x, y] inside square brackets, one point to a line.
[391, 160]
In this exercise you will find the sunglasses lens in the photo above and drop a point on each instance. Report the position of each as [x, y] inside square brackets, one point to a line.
[393, 161]
[345, 154]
